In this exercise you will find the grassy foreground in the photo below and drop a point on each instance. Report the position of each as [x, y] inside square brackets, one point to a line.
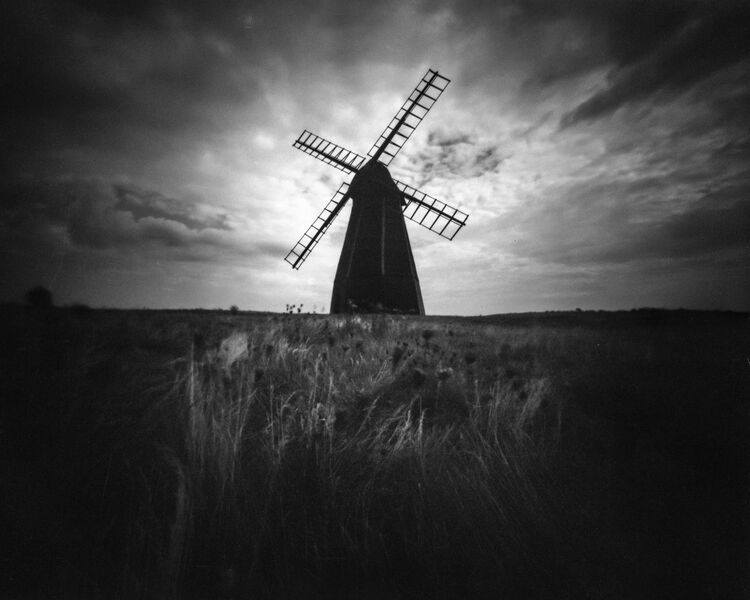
[209, 455]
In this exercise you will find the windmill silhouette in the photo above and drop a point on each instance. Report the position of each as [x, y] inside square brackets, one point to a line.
[376, 270]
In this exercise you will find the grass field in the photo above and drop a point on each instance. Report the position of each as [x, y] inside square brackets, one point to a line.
[154, 454]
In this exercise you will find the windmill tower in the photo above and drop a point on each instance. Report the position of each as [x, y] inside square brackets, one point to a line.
[376, 270]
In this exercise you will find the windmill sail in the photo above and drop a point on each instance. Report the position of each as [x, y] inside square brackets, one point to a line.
[328, 152]
[431, 213]
[407, 118]
[320, 225]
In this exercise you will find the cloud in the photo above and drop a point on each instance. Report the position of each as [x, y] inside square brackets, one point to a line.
[607, 223]
[693, 45]
[86, 76]
[451, 154]
[143, 204]
[156, 138]
[445, 138]
[100, 216]
[719, 221]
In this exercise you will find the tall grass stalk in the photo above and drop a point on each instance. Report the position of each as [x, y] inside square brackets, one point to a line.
[326, 460]
[228, 456]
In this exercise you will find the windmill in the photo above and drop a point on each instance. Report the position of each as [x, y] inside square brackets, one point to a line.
[376, 270]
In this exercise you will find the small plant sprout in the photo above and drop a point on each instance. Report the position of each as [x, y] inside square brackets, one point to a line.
[396, 355]
[444, 373]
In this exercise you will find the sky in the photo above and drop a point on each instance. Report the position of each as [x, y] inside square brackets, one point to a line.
[600, 147]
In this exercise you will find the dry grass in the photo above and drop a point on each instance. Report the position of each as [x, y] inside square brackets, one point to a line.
[208, 456]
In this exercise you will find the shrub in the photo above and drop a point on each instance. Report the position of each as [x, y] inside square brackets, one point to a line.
[39, 297]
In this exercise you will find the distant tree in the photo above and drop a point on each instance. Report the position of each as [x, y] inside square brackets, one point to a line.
[38, 297]
[234, 309]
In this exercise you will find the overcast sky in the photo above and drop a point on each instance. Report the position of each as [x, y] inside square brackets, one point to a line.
[601, 148]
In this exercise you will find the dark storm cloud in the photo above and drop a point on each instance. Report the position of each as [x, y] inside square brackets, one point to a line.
[605, 223]
[454, 154]
[663, 48]
[487, 160]
[630, 29]
[443, 139]
[97, 215]
[649, 49]
[144, 203]
[87, 76]
[158, 78]
[719, 221]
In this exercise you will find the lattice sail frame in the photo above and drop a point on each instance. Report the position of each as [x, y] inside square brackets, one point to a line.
[419, 207]
[320, 225]
[330, 153]
[408, 117]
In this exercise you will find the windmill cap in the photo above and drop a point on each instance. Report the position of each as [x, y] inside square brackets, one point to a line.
[373, 171]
